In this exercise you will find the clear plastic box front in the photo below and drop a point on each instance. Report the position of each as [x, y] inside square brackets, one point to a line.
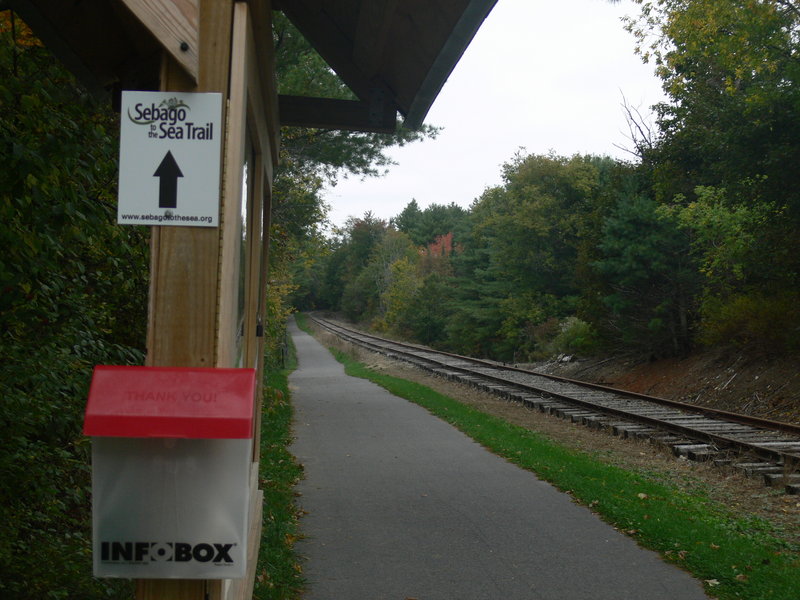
[170, 508]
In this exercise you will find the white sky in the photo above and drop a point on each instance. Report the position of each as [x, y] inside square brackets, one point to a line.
[540, 74]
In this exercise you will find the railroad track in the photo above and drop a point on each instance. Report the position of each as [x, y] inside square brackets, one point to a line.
[758, 447]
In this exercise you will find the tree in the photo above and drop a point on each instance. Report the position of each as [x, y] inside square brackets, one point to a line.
[424, 226]
[428, 312]
[744, 298]
[529, 235]
[730, 69]
[409, 221]
[647, 266]
[474, 298]
[400, 289]
[349, 285]
[731, 132]
[312, 159]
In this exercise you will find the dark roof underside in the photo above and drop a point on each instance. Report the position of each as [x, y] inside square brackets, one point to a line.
[399, 52]
[395, 55]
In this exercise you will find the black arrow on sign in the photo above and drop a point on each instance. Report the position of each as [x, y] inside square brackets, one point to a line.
[168, 173]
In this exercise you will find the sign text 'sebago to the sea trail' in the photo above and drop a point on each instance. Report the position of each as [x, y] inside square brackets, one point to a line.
[169, 159]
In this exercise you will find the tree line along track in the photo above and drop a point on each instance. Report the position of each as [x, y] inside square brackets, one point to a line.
[759, 447]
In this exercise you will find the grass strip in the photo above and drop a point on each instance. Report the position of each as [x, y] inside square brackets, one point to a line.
[733, 557]
[278, 574]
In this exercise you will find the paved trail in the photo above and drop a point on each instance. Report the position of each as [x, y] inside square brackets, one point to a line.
[401, 505]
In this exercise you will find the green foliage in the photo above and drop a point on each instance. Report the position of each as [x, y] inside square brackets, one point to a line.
[426, 315]
[57, 208]
[770, 323]
[74, 291]
[360, 274]
[731, 239]
[400, 290]
[697, 242]
[475, 320]
[275, 317]
[354, 276]
[725, 160]
[527, 258]
[744, 298]
[730, 69]
[532, 225]
[424, 226]
[646, 265]
[45, 509]
[574, 337]
[307, 273]
[279, 574]
[522, 312]
[360, 296]
[524, 254]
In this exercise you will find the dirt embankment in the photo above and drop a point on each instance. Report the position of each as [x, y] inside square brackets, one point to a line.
[728, 380]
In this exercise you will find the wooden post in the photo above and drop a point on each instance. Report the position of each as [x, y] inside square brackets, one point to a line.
[194, 288]
[184, 285]
[182, 323]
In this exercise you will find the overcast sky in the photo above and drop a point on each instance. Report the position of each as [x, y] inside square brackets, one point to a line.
[540, 74]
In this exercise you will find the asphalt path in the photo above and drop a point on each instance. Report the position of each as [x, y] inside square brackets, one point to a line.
[400, 505]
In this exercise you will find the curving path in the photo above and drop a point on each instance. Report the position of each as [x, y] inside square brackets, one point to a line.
[403, 506]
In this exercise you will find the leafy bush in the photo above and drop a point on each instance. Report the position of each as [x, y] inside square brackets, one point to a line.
[73, 293]
[768, 322]
[45, 511]
[574, 336]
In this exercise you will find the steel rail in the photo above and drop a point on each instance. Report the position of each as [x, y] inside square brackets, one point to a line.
[720, 441]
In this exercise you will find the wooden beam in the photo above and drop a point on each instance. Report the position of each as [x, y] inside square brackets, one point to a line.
[248, 114]
[262, 98]
[327, 113]
[174, 23]
[216, 23]
[182, 324]
[184, 260]
[262, 310]
[254, 351]
[100, 41]
[230, 223]
[453, 46]
[261, 21]
[374, 20]
[253, 275]
[174, 589]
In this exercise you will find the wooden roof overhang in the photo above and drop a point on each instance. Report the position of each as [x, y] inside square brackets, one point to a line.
[394, 55]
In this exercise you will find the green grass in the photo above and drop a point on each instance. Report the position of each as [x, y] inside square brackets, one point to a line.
[278, 575]
[302, 322]
[734, 557]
